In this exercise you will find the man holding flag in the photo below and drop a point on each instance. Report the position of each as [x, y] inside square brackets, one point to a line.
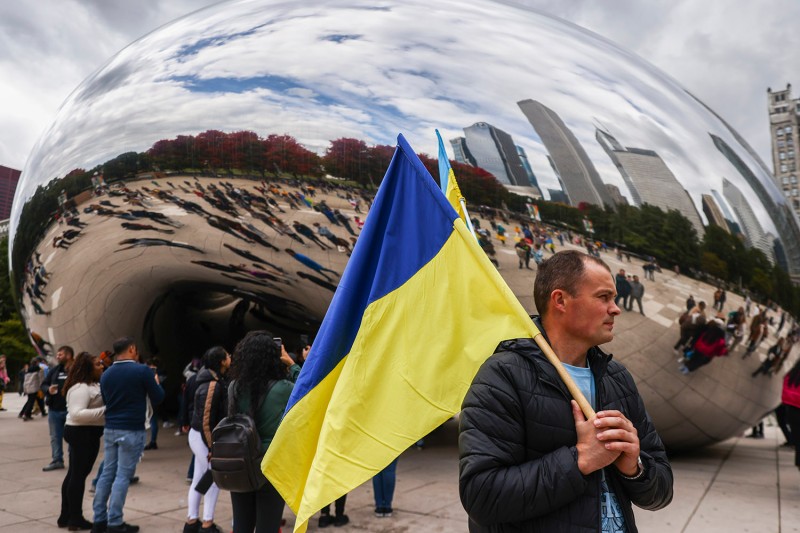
[530, 461]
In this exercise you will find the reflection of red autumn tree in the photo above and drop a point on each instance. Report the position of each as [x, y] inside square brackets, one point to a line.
[352, 159]
[283, 153]
[240, 150]
[344, 158]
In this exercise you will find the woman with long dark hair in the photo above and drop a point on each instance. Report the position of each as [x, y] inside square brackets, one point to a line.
[83, 429]
[263, 376]
[207, 407]
[791, 399]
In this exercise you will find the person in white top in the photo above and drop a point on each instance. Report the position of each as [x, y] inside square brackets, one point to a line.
[84, 427]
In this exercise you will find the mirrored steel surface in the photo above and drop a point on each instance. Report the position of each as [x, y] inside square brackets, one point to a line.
[202, 247]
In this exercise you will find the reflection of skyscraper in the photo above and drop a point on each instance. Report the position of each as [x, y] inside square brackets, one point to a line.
[714, 213]
[616, 195]
[580, 179]
[523, 157]
[649, 179]
[754, 235]
[493, 150]
[557, 195]
[461, 151]
[780, 214]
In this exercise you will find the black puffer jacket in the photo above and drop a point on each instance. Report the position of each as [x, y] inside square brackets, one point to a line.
[208, 410]
[518, 461]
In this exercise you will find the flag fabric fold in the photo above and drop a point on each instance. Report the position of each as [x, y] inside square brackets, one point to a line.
[418, 309]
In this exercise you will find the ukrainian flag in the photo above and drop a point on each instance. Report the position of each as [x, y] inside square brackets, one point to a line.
[419, 308]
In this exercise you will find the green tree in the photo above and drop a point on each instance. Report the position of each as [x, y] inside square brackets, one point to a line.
[715, 266]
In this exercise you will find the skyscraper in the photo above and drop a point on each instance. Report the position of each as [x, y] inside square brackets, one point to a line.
[461, 152]
[649, 179]
[784, 122]
[523, 157]
[580, 179]
[493, 150]
[714, 213]
[780, 214]
[8, 186]
[754, 234]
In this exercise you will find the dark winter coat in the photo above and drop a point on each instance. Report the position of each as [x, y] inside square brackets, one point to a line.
[517, 442]
[207, 410]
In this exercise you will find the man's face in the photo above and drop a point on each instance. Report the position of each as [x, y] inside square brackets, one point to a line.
[590, 313]
[61, 356]
[622, 272]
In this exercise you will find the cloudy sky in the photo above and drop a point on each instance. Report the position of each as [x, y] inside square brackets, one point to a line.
[720, 50]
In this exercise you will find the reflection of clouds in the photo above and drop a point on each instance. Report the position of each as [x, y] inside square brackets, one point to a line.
[321, 71]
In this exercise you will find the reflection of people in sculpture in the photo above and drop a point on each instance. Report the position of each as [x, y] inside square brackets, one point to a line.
[310, 263]
[141, 227]
[710, 343]
[75, 221]
[157, 242]
[33, 296]
[281, 227]
[157, 217]
[216, 266]
[341, 244]
[224, 225]
[252, 257]
[257, 235]
[321, 282]
[307, 232]
[42, 346]
[38, 308]
[344, 221]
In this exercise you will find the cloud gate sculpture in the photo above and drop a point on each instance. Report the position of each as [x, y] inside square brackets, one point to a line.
[170, 200]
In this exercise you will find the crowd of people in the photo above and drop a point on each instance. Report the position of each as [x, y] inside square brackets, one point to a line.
[110, 401]
[704, 337]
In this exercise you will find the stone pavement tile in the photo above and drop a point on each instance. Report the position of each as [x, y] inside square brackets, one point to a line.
[740, 507]
[31, 526]
[36, 503]
[687, 492]
[8, 518]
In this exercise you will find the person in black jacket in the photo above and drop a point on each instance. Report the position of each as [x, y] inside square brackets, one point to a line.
[529, 460]
[207, 406]
[52, 386]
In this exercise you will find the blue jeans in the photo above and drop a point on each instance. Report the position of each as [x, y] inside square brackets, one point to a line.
[383, 485]
[122, 450]
[57, 420]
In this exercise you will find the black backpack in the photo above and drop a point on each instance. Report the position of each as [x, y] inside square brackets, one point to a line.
[236, 448]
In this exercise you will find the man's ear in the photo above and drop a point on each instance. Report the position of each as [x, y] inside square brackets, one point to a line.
[558, 300]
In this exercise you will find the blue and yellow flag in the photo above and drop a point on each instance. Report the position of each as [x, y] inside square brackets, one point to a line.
[450, 188]
[419, 308]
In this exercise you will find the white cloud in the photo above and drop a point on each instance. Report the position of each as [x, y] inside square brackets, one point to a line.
[726, 53]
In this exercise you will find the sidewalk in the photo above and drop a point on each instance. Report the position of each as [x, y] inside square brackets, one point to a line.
[738, 485]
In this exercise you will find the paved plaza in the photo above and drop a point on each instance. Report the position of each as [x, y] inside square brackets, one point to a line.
[737, 485]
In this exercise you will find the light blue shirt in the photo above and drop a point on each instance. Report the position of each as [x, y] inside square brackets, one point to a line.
[612, 519]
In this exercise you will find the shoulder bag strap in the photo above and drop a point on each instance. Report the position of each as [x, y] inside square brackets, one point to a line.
[207, 413]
